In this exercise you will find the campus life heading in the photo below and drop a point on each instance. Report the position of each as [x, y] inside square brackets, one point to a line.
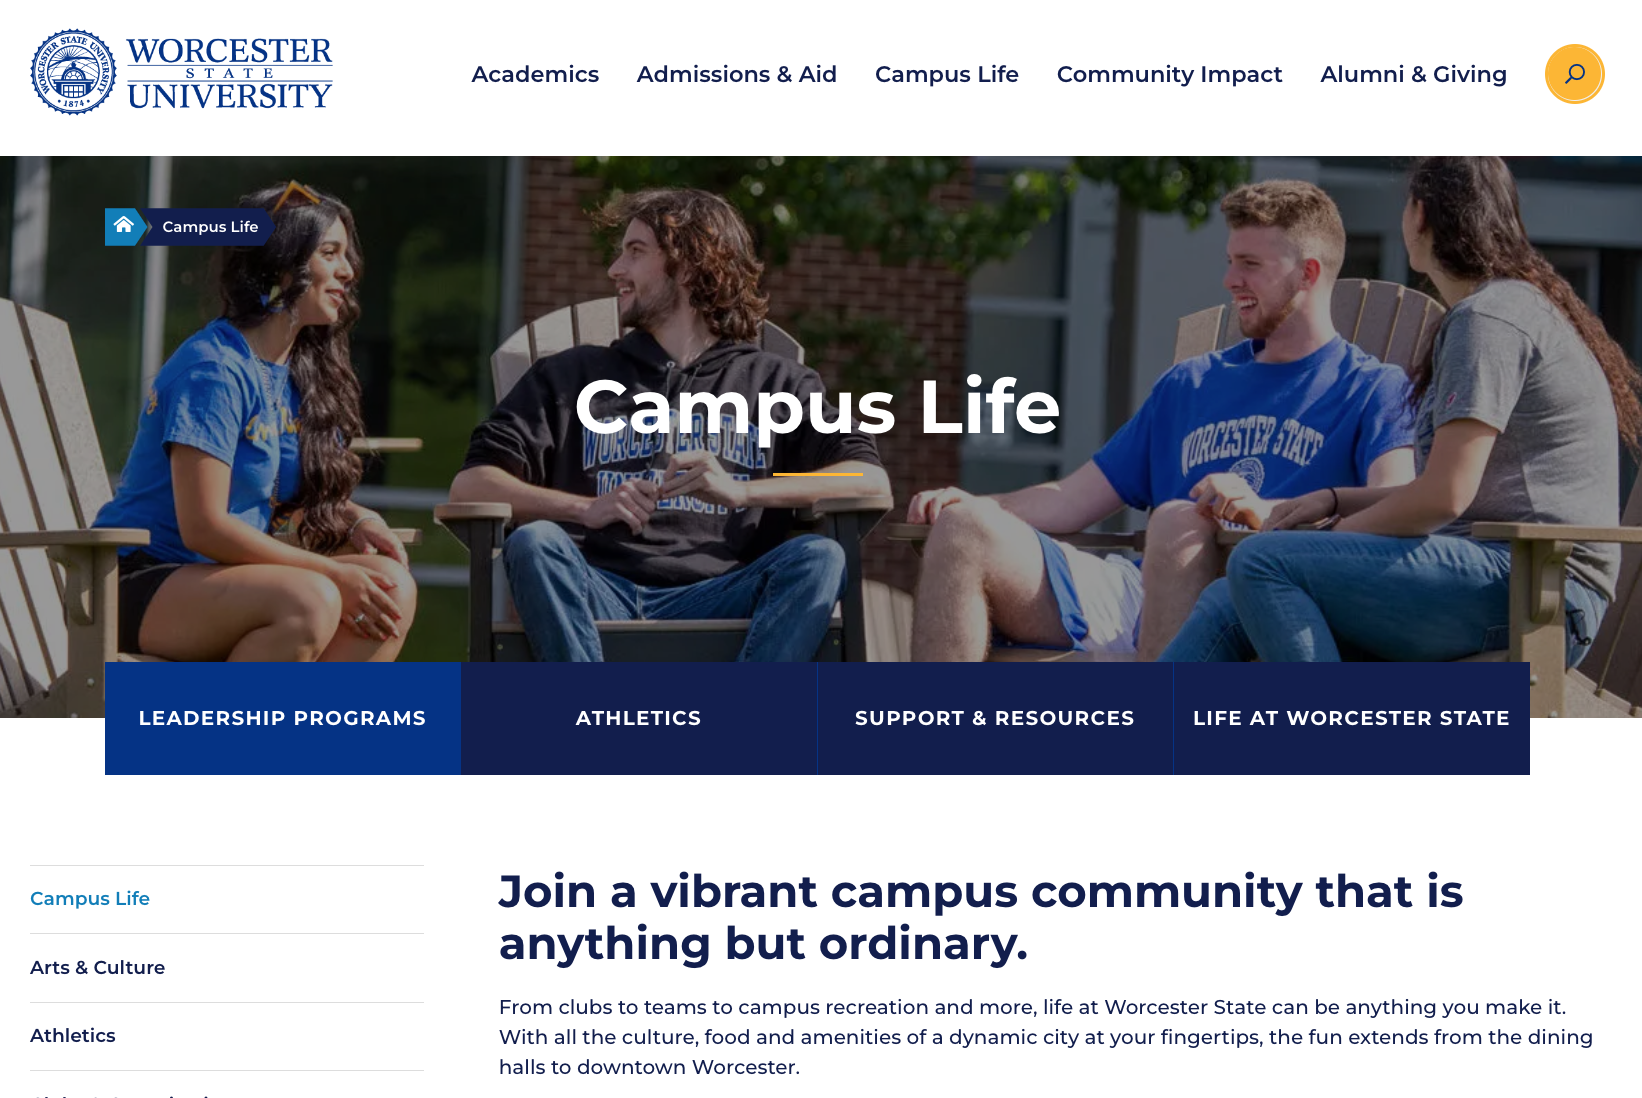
[781, 413]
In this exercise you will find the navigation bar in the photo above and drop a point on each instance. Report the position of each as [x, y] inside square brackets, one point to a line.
[996, 75]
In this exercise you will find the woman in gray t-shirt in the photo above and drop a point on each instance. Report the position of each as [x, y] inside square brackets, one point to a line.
[1518, 418]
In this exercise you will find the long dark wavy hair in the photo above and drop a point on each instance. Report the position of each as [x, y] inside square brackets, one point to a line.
[1471, 207]
[247, 281]
[703, 236]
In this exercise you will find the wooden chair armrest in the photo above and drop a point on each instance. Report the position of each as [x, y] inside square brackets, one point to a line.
[380, 445]
[1545, 531]
[841, 504]
[447, 513]
[40, 539]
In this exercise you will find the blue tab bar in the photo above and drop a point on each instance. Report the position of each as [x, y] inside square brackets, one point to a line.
[687, 719]
[283, 718]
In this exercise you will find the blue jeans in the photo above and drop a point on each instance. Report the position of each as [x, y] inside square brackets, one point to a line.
[788, 593]
[1294, 596]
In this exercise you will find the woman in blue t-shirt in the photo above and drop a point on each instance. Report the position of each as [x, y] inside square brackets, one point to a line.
[247, 426]
[1518, 418]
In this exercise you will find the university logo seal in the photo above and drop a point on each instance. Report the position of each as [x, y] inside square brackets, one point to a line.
[73, 71]
[1251, 470]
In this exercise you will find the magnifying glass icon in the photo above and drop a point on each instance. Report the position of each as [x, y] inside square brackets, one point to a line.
[1571, 76]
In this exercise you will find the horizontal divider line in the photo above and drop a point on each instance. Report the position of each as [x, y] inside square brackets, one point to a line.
[222, 865]
[236, 1070]
[227, 1002]
[219, 933]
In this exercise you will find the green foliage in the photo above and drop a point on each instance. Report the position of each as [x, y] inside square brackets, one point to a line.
[906, 208]
[1187, 185]
[872, 353]
[902, 208]
[434, 318]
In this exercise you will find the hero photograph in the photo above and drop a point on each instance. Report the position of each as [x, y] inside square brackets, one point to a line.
[960, 409]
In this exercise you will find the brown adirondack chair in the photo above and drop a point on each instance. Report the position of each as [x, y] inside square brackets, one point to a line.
[494, 632]
[1608, 683]
[59, 628]
[59, 625]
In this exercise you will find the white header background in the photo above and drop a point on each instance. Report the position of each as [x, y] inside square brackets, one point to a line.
[403, 80]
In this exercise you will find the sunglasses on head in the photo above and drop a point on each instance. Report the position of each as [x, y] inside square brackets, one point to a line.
[293, 188]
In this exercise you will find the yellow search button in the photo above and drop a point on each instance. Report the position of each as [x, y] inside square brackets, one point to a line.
[1574, 74]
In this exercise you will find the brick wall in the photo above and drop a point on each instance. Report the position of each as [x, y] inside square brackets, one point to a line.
[562, 267]
[929, 303]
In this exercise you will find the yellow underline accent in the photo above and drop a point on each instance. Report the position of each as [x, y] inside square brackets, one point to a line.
[828, 475]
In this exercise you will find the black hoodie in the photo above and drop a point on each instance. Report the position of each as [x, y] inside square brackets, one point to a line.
[534, 435]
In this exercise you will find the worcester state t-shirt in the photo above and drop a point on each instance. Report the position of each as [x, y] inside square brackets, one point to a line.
[1287, 428]
[212, 394]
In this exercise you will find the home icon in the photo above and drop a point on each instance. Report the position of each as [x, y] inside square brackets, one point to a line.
[123, 226]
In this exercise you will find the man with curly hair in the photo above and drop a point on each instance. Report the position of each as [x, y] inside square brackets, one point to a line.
[684, 522]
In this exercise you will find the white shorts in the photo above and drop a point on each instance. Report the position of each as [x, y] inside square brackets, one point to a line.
[1098, 597]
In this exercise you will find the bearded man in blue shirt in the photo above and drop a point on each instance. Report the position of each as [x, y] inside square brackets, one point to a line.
[1220, 439]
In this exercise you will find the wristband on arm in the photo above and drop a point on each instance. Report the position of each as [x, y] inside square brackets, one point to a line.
[360, 521]
[1332, 519]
